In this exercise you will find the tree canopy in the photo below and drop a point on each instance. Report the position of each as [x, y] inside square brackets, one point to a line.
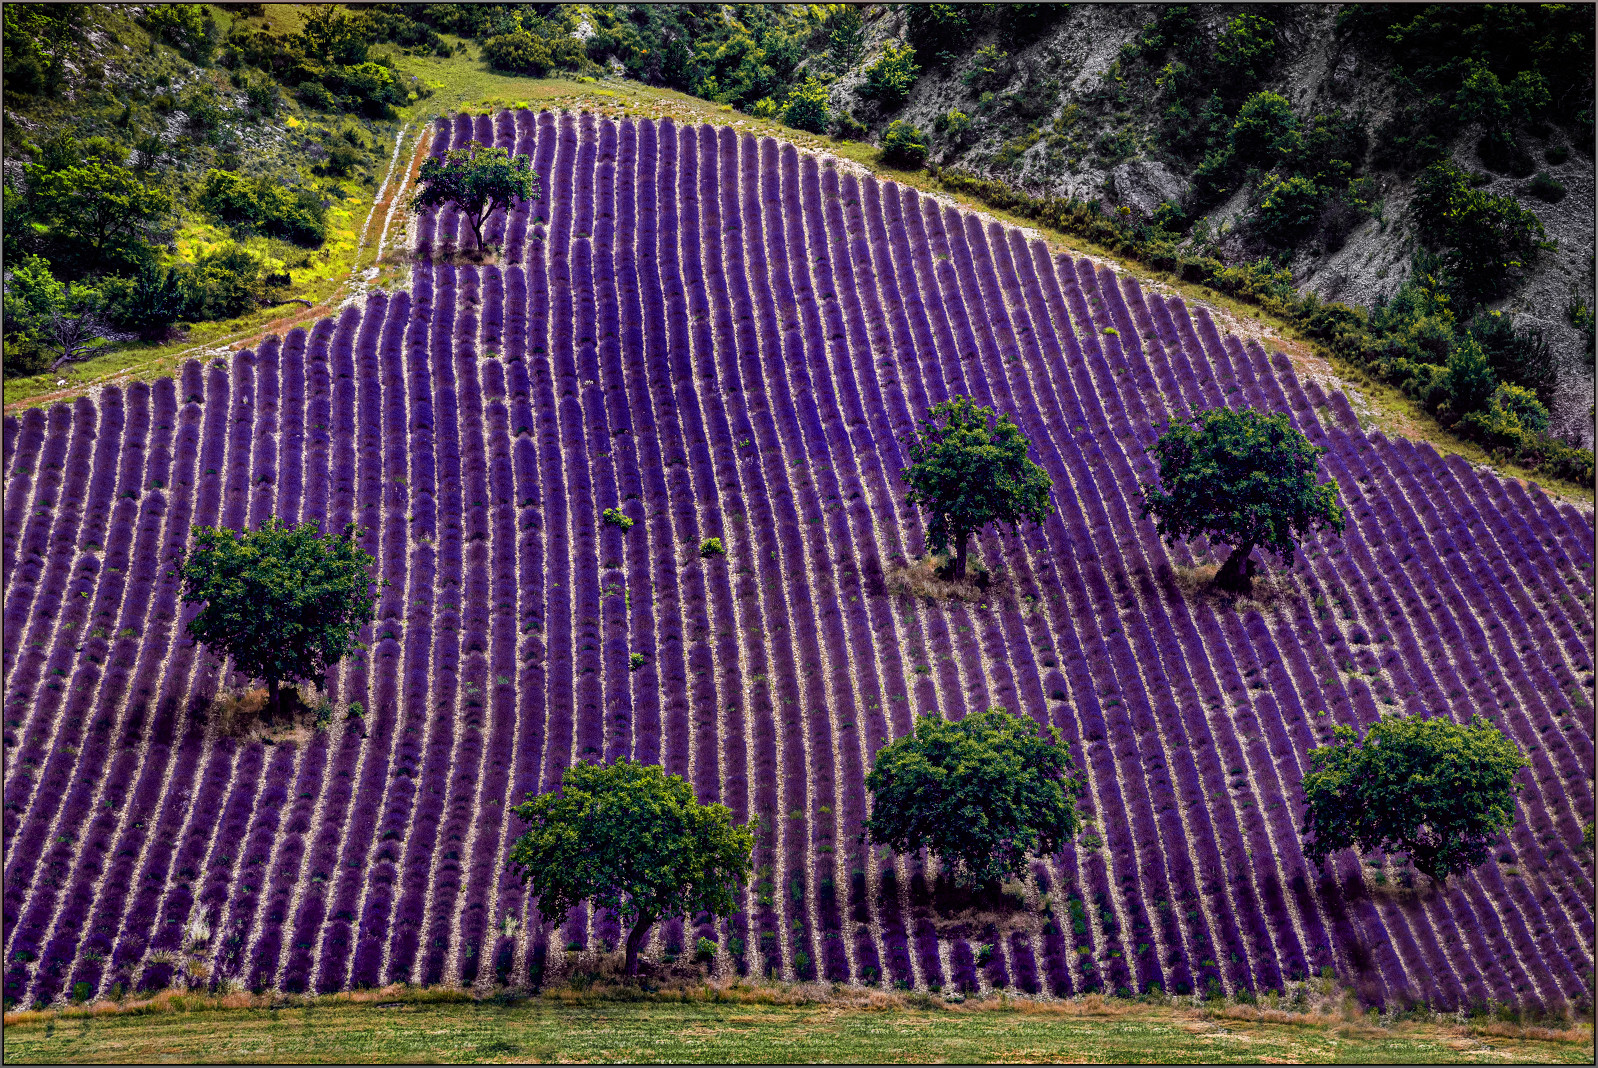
[285, 602]
[86, 212]
[980, 794]
[966, 472]
[1242, 478]
[53, 323]
[477, 181]
[630, 839]
[1430, 788]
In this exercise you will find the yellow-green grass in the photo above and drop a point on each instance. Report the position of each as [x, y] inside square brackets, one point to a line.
[463, 82]
[755, 1026]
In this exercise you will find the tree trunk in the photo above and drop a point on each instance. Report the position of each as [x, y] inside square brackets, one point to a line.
[477, 227]
[960, 543]
[635, 939]
[1237, 572]
[273, 699]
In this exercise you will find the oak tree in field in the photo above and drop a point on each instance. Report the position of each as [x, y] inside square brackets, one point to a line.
[1242, 478]
[630, 839]
[967, 471]
[477, 181]
[1431, 788]
[980, 794]
[285, 602]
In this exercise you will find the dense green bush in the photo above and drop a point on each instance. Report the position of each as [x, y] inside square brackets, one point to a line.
[1266, 130]
[889, 79]
[227, 282]
[1545, 187]
[187, 27]
[806, 107]
[536, 48]
[266, 206]
[903, 145]
[1485, 241]
[1287, 207]
[1519, 356]
[148, 303]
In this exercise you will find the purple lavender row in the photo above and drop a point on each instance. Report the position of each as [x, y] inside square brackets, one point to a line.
[1256, 830]
[23, 457]
[426, 808]
[124, 591]
[71, 595]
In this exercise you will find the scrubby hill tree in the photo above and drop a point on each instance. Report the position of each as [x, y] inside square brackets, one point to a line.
[1242, 478]
[967, 471]
[50, 323]
[285, 602]
[477, 181]
[1431, 788]
[630, 839]
[980, 794]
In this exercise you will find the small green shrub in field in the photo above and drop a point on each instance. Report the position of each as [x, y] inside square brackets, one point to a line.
[710, 547]
[616, 518]
[635, 661]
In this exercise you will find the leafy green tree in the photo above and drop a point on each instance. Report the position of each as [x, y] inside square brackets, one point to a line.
[1470, 380]
[846, 34]
[1243, 478]
[980, 794]
[1430, 788]
[632, 840]
[334, 38]
[92, 214]
[62, 322]
[889, 79]
[478, 181]
[806, 107]
[285, 602]
[966, 472]
[1245, 49]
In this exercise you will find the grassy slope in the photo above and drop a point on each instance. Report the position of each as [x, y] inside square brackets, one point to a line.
[394, 1026]
[463, 83]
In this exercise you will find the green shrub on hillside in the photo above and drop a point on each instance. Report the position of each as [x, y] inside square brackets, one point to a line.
[265, 205]
[889, 79]
[187, 27]
[806, 107]
[1485, 241]
[536, 48]
[903, 145]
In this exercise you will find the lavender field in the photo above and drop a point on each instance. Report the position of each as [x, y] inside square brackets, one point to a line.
[723, 337]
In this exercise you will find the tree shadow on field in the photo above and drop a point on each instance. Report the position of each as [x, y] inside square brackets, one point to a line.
[1270, 587]
[449, 254]
[928, 578]
[242, 714]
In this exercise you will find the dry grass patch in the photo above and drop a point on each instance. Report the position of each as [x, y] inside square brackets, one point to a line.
[926, 577]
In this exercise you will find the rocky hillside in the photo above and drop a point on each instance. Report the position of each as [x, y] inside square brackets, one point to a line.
[1088, 101]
